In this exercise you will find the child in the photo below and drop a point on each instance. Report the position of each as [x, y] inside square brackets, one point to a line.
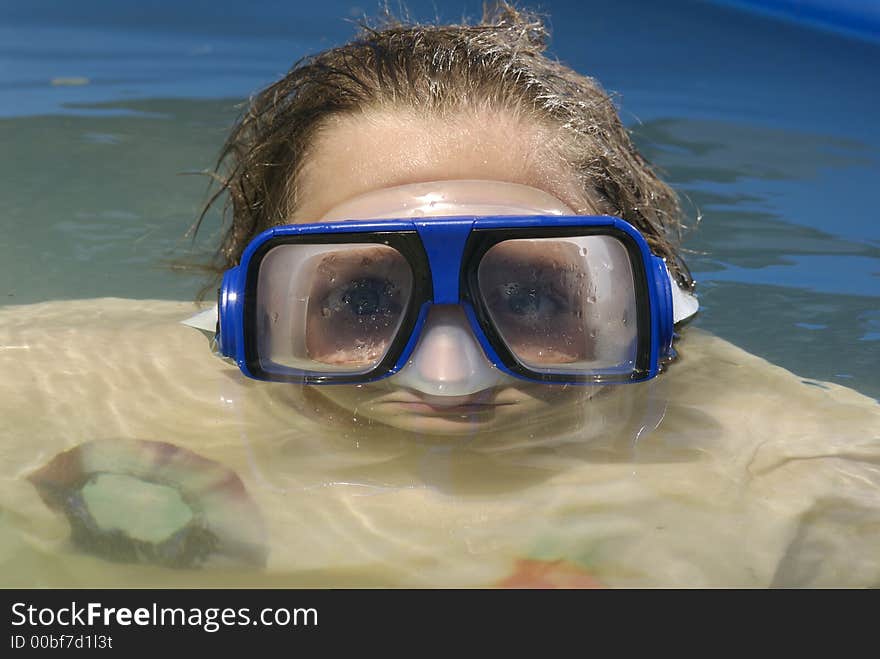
[476, 120]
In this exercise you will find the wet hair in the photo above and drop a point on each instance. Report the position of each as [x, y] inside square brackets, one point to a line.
[497, 63]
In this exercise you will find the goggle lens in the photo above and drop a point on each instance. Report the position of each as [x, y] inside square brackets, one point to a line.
[562, 304]
[330, 308]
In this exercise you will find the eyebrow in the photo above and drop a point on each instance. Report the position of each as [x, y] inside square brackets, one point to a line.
[381, 254]
[345, 261]
[520, 257]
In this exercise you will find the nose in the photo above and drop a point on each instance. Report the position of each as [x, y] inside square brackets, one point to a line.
[448, 359]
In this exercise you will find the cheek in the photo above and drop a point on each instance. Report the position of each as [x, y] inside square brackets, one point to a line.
[345, 341]
[551, 396]
[564, 343]
[347, 397]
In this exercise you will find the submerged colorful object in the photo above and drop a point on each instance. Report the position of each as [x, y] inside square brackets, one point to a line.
[153, 502]
[543, 574]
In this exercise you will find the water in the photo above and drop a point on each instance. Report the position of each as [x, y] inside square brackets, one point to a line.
[767, 128]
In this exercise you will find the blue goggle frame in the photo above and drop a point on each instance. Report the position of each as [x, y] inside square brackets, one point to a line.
[443, 253]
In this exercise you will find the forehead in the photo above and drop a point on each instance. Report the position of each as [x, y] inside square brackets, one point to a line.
[354, 154]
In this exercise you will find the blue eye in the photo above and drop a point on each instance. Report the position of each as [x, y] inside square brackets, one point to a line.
[521, 300]
[363, 297]
[528, 301]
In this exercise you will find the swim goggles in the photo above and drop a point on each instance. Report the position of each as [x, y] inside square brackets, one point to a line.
[551, 298]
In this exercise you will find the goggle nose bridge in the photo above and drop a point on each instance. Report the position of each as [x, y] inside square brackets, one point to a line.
[444, 246]
[473, 324]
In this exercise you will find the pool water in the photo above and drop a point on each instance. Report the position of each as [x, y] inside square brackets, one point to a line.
[768, 130]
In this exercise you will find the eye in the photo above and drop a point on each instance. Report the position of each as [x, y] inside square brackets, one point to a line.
[362, 297]
[527, 301]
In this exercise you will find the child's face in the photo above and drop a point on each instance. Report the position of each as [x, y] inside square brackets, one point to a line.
[352, 161]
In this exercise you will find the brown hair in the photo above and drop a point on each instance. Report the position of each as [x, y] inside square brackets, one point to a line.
[499, 62]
